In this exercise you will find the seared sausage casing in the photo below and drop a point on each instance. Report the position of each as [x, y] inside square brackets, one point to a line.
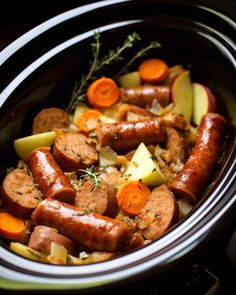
[196, 173]
[145, 95]
[93, 231]
[51, 180]
[128, 135]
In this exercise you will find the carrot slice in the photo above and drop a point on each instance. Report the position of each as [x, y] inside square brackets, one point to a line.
[132, 196]
[11, 227]
[88, 121]
[153, 70]
[103, 92]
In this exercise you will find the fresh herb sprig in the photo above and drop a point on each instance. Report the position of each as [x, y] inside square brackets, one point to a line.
[91, 173]
[78, 93]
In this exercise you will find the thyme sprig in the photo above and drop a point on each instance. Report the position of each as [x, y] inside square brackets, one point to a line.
[91, 173]
[79, 92]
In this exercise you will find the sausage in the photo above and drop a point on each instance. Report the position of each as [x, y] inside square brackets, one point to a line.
[128, 135]
[72, 151]
[145, 95]
[19, 193]
[124, 109]
[175, 144]
[101, 200]
[42, 236]
[50, 118]
[158, 214]
[196, 173]
[112, 176]
[93, 231]
[51, 180]
[175, 121]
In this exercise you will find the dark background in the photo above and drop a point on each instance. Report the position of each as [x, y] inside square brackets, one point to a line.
[16, 18]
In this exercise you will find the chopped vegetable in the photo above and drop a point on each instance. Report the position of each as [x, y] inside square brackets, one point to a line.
[25, 145]
[153, 70]
[103, 92]
[27, 252]
[132, 196]
[11, 227]
[79, 110]
[88, 120]
[58, 254]
[144, 166]
[130, 80]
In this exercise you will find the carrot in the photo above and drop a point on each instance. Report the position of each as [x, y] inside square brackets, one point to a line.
[132, 196]
[103, 92]
[153, 70]
[11, 227]
[88, 121]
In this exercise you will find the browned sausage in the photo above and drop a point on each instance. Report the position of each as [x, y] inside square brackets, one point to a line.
[42, 236]
[196, 173]
[51, 180]
[175, 144]
[72, 151]
[101, 200]
[175, 121]
[19, 193]
[145, 95]
[112, 176]
[124, 109]
[50, 118]
[93, 231]
[128, 135]
[159, 213]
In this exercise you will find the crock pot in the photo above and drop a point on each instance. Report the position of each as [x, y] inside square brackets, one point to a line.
[38, 70]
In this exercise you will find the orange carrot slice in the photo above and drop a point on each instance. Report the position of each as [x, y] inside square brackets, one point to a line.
[132, 196]
[11, 227]
[153, 70]
[103, 92]
[88, 120]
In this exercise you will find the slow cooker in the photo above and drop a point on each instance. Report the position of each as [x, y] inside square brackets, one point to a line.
[37, 69]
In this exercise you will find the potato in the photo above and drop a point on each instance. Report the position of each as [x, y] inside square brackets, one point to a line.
[24, 146]
[129, 80]
[143, 166]
[27, 252]
[58, 254]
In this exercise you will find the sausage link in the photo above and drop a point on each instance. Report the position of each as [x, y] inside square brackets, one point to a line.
[49, 176]
[91, 230]
[128, 135]
[145, 95]
[196, 173]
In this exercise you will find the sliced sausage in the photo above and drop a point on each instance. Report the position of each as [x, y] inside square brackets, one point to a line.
[112, 176]
[19, 193]
[175, 144]
[124, 109]
[50, 118]
[145, 95]
[196, 173]
[42, 236]
[159, 213]
[128, 135]
[93, 231]
[51, 180]
[101, 200]
[72, 151]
